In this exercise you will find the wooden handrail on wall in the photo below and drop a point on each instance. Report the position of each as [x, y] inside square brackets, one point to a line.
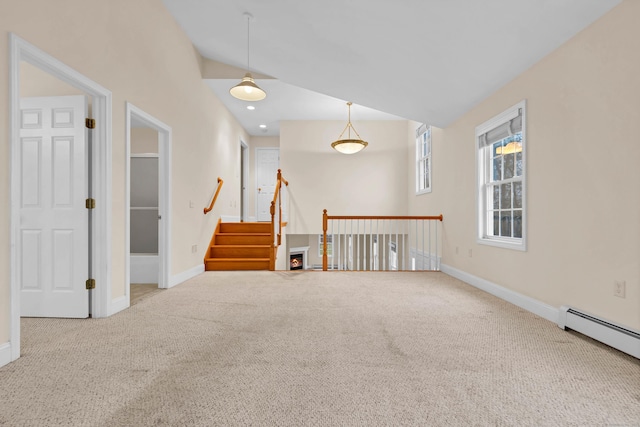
[276, 237]
[215, 196]
[326, 218]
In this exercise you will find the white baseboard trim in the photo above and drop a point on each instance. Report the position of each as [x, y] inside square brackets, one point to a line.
[229, 218]
[186, 275]
[119, 304]
[534, 306]
[5, 354]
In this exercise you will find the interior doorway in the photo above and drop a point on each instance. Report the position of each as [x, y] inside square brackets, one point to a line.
[22, 53]
[267, 164]
[244, 180]
[148, 201]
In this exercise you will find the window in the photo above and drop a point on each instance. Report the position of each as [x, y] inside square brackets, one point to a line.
[423, 159]
[501, 179]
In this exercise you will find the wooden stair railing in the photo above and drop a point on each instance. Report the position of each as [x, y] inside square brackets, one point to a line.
[276, 238]
[247, 245]
[411, 245]
[215, 196]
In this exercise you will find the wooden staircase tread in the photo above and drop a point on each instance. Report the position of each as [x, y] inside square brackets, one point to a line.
[243, 234]
[236, 259]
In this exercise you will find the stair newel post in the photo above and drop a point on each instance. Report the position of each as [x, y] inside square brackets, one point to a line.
[279, 207]
[272, 254]
[324, 240]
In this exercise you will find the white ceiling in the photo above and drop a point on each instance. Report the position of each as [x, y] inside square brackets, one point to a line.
[424, 60]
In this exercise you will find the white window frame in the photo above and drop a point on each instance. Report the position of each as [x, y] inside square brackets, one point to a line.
[483, 162]
[423, 134]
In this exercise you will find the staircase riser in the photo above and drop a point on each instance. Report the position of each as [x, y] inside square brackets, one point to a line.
[245, 227]
[222, 239]
[220, 265]
[224, 252]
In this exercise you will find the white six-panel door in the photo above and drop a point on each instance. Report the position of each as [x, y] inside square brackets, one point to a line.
[53, 242]
[267, 163]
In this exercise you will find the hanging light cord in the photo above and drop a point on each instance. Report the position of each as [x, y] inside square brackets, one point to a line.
[248, 25]
[349, 125]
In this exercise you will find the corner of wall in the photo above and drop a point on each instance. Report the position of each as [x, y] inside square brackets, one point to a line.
[5, 354]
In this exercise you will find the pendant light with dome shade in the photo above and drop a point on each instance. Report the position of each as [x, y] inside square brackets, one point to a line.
[349, 145]
[247, 89]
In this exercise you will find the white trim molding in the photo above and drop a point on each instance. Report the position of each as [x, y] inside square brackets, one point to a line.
[119, 304]
[5, 354]
[532, 305]
[186, 275]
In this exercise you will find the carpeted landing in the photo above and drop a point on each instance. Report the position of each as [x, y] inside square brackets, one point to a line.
[316, 349]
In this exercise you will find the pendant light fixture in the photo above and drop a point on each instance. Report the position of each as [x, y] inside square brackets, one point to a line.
[349, 145]
[247, 89]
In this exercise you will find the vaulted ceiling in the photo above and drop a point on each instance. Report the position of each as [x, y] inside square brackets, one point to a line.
[424, 60]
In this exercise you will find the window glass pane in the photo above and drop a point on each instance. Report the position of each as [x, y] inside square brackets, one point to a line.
[505, 196]
[496, 197]
[519, 164]
[497, 169]
[517, 223]
[496, 223]
[517, 195]
[508, 165]
[426, 174]
[505, 223]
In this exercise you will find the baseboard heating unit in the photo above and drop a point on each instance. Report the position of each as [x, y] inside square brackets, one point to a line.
[616, 336]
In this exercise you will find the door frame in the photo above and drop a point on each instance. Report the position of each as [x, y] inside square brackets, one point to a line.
[244, 181]
[164, 195]
[21, 50]
[257, 174]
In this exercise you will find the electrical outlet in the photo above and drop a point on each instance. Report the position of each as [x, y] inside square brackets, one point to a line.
[470, 253]
[456, 250]
[191, 204]
[620, 288]
[194, 249]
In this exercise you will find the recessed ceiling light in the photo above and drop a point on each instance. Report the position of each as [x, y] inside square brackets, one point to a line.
[250, 107]
[263, 126]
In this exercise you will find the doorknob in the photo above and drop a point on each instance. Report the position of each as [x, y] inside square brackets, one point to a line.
[259, 189]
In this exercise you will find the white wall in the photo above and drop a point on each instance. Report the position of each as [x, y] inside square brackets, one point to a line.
[583, 179]
[371, 182]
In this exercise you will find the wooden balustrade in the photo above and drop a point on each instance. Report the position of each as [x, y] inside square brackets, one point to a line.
[391, 242]
[276, 218]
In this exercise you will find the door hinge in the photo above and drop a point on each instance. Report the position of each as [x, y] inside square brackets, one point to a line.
[90, 203]
[91, 283]
[90, 123]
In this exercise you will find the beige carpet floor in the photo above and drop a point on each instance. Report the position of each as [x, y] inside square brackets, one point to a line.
[317, 349]
[141, 291]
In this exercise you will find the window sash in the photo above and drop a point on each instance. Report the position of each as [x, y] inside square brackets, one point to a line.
[423, 159]
[501, 179]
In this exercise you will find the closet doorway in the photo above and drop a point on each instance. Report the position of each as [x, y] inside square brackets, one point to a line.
[148, 204]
